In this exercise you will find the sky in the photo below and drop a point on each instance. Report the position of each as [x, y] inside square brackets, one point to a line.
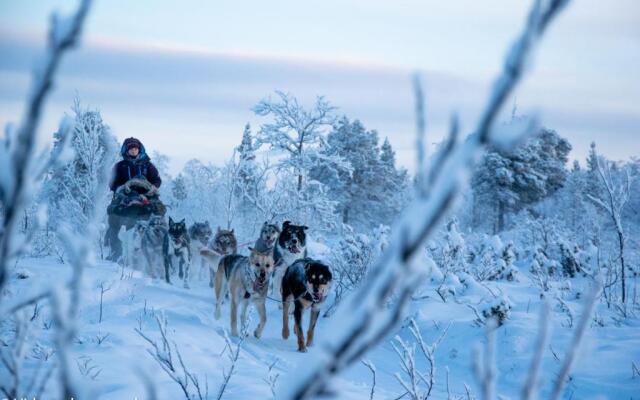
[183, 76]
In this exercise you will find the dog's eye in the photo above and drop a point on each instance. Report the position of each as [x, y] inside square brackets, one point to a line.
[268, 265]
[257, 264]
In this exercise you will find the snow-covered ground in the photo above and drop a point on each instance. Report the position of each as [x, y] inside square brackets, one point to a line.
[117, 355]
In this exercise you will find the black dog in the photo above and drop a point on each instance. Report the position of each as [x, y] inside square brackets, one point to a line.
[306, 282]
[176, 248]
[291, 246]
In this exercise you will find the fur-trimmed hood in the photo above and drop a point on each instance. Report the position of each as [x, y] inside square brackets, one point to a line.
[142, 156]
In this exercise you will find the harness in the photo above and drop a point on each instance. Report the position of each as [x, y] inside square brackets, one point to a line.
[142, 169]
[250, 283]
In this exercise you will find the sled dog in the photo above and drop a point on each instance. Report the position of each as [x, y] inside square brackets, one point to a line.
[305, 283]
[267, 239]
[247, 279]
[150, 238]
[290, 247]
[176, 250]
[224, 243]
[199, 233]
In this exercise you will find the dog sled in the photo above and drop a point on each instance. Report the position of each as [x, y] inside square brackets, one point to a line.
[136, 200]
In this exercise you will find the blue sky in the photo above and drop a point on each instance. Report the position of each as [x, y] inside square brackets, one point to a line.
[184, 75]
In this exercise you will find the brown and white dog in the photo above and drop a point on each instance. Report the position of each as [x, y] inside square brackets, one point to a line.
[223, 243]
[247, 279]
[306, 283]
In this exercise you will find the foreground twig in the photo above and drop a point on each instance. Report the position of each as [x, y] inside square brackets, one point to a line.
[19, 152]
[362, 320]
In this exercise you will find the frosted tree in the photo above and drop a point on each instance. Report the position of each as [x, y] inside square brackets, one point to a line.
[507, 181]
[352, 186]
[616, 184]
[179, 188]
[394, 184]
[247, 168]
[70, 188]
[360, 175]
[294, 130]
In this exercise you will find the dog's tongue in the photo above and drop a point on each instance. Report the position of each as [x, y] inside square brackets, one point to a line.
[294, 250]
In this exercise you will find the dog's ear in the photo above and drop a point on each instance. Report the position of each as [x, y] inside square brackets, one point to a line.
[183, 221]
[285, 224]
[170, 221]
[250, 249]
[265, 223]
[304, 227]
[206, 223]
[219, 229]
[232, 229]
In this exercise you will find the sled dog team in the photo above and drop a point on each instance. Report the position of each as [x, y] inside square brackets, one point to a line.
[278, 260]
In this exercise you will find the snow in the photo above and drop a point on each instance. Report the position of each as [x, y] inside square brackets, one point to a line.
[133, 300]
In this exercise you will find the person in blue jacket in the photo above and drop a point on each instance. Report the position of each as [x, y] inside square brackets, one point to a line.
[135, 163]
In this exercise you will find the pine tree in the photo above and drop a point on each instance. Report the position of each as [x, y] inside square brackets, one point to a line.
[246, 185]
[507, 182]
[179, 188]
[367, 187]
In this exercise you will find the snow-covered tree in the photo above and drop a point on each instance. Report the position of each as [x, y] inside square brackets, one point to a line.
[508, 181]
[247, 169]
[294, 130]
[616, 184]
[69, 189]
[361, 176]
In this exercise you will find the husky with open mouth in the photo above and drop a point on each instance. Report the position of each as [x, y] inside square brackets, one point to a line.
[247, 279]
[306, 283]
[268, 235]
[290, 247]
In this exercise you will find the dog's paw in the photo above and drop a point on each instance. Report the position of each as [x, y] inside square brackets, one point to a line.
[216, 314]
[180, 275]
[257, 334]
[302, 349]
[186, 285]
[234, 333]
[285, 334]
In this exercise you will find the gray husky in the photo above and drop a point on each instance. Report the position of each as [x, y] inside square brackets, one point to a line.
[150, 239]
[199, 233]
[247, 279]
[177, 250]
[267, 239]
[223, 243]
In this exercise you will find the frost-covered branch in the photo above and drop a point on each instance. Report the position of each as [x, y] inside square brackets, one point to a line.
[164, 355]
[366, 318]
[234, 355]
[18, 153]
[372, 368]
[406, 354]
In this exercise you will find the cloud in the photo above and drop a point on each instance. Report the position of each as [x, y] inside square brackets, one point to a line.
[192, 103]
